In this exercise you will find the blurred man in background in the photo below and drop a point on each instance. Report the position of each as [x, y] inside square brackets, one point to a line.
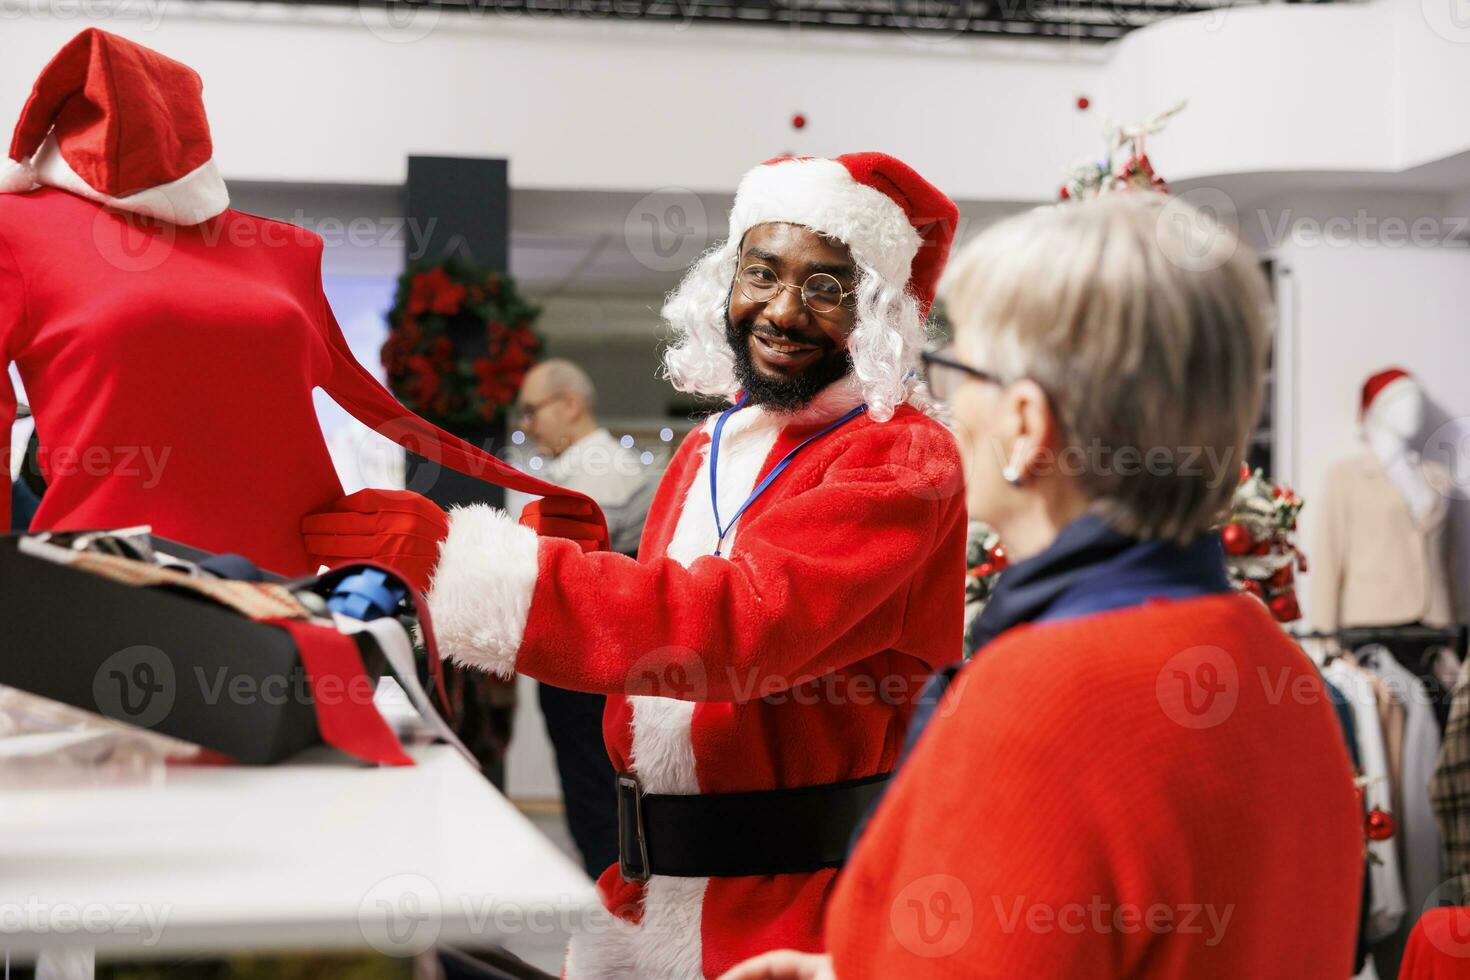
[558, 408]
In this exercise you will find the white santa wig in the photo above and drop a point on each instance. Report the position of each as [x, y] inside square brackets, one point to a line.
[827, 197]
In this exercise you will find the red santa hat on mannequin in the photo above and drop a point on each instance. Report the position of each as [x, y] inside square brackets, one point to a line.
[117, 123]
[1378, 384]
[898, 228]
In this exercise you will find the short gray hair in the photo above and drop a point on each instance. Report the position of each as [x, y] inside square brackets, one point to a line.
[1145, 321]
[565, 378]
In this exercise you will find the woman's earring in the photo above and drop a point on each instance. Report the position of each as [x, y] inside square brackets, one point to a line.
[1012, 472]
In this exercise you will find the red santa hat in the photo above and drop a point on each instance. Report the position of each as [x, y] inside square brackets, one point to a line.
[1379, 383]
[898, 228]
[890, 218]
[117, 123]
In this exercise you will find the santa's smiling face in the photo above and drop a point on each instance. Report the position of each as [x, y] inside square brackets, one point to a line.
[786, 351]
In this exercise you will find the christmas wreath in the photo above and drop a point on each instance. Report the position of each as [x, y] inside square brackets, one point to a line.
[460, 341]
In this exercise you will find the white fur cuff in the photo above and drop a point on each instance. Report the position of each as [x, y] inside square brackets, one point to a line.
[481, 595]
[16, 177]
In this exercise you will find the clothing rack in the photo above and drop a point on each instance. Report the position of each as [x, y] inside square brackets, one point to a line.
[1410, 631]
[1456, 636]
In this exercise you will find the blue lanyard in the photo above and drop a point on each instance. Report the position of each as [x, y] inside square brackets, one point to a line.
[761, 487]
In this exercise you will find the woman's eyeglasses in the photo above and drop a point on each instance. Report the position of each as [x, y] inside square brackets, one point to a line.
[821, 293]
[944, 374]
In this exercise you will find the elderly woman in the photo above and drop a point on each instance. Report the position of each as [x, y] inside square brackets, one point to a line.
[1138, 774]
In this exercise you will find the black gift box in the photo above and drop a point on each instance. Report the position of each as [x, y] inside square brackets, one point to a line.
[174, 663]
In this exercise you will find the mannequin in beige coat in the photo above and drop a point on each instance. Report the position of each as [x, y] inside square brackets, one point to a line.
[1382, 552]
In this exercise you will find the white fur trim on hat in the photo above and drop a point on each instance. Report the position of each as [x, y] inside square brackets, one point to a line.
[1390, 392]
[197, 196]
[15, 177]
[480, 599]
[823, 196]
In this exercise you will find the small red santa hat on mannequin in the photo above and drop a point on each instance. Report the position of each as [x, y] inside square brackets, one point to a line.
[117, 123]
[1378, 384]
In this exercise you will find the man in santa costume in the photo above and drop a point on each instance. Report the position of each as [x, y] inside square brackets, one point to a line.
[800, 574]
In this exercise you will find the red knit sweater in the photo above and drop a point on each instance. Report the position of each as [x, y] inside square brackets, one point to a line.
[1157, 792]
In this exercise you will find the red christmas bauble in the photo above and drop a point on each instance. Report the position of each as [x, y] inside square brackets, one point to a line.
[1262, 547]
[983, 569]
[1285, 608]
[998, 556]
[1254, 588]
[1379, 825]
[1236, 538]
[798, 121]
[1083, 102]
[1064, 194]
[1282, 577]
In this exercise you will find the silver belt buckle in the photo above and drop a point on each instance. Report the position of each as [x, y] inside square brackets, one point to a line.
[630, 808]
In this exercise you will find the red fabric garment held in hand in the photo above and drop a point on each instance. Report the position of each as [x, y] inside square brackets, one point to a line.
[342, 695]
[171, 369]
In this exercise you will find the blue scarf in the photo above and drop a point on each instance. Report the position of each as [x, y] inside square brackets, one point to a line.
[1091, 568]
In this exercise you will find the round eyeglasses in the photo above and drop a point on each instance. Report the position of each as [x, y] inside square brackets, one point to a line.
[820, 293]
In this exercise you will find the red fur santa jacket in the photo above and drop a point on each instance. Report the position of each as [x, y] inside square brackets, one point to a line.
[792, 661]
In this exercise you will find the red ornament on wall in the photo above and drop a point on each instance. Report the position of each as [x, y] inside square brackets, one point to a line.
[798, 121]
[1082, 103]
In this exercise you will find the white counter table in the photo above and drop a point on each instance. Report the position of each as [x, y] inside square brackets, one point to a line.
[315, 854]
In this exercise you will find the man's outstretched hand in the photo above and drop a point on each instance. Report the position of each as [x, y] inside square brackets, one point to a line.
[566, 517]
[784, 964]
[397, 528]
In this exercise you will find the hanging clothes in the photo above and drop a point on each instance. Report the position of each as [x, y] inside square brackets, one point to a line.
[1428, 652]
[1449, 790]
[1347, 720]
[1417, 831]
[1388, 904]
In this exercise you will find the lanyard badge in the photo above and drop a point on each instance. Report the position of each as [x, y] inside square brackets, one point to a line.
[761, 487]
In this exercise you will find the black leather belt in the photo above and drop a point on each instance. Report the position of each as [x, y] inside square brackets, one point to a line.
[725, 835]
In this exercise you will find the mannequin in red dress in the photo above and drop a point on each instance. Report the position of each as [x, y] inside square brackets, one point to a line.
[169, 345]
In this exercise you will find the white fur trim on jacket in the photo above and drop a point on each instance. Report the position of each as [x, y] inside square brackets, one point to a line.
[197, 196]
[16, 177]
[481, 595]
[823, 196]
